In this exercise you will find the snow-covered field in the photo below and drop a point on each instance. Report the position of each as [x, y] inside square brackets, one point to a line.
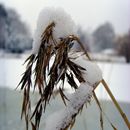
[116, 75]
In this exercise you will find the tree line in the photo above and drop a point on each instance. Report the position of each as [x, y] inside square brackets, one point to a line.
[14, 33]
[104, 38]
[15, 36]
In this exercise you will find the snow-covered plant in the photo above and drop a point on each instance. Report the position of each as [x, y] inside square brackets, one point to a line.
[52, 63]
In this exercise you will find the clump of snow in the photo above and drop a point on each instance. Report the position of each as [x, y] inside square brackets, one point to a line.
[92, 74]
[80, 96]
[64, 27]
[61, 119]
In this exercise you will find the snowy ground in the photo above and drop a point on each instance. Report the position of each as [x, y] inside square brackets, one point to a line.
[10, 109]
[116, 75]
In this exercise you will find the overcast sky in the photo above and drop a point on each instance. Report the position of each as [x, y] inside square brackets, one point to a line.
[88, 13]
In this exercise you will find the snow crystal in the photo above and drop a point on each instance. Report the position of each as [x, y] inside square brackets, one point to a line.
[65, 26]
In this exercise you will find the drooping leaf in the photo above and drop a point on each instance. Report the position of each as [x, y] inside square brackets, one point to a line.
[36, 108]
[76, 69]
[114, 128]
[101, 112]
[101, 120]
[72, 124]
[63, 96]
[71, 81]
[33, 126]
[38, 117]
[47, 76]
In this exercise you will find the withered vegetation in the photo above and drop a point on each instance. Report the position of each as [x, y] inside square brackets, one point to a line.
[49, 67]
[48, 74]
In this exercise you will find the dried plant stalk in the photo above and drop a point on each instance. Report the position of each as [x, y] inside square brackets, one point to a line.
[47, 76]
[111, 95]
[123, 115]
[100, 108]
[102, 113]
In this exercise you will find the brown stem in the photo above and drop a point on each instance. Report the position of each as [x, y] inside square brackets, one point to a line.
[116, 104]
[109, 92]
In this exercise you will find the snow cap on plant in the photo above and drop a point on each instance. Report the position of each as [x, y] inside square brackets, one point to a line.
[64, 25]
[53, 39]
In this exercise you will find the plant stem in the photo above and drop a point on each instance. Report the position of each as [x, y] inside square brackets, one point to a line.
[116, 104]
[108, 91]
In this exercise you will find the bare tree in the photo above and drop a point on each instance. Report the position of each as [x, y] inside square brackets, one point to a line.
[3, 26]
[19, 36]
[14, 33]
[85, 38]
[104, 37]
[123, 46]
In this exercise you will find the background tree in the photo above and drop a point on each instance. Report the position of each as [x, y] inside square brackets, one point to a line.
[104, 37]
[19, 37]
[85, 38]
[14, 33]
[123, 46]
[3, 26]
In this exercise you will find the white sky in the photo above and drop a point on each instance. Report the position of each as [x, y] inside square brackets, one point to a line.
[89, 13]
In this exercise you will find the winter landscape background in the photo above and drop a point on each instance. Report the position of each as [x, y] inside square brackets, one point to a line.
[108, 45]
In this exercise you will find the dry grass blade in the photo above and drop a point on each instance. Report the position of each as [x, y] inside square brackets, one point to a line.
[37, 114]
[71, 80]
[72, 124]
[47, 77]
[30, 60]
[101, 113]
[26, 79]
[38, 117]
[27, 121]
[107, 89]
[81, 109]
[33, 126]
[48, 31]
[76, 69]
[36, 108]
[116, 104]
[43, 57]
[26, 107]
[114, 128]
[63, 95]
[24, 104]
[25, 85]
[101, 121]
[39, 69]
